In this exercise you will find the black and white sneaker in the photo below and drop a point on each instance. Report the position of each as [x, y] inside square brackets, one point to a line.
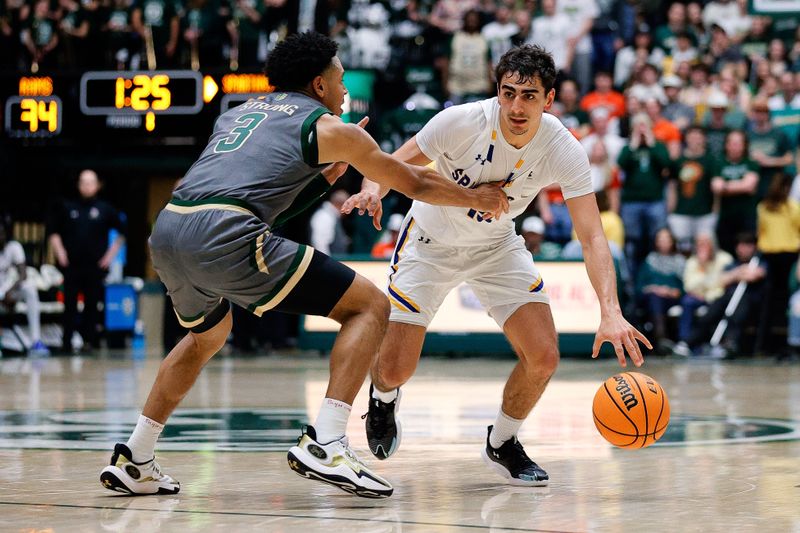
[384, 431]
[511, 462]
[124, 475]
[337, 464]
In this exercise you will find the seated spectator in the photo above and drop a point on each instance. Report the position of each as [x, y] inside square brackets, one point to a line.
[691, 202]
[697, 93]
[605, 174]
[659, 285]
[736, 185]
[777, 58]
[666, 34]
[778, 244]
[702, 284]
[15, 286]
[533, 230]
[719, 121]
[604, 96]
[738, 271]
[612, 228]
[384, 248]
[683, 52]
[723, 51]
[647, 86]
[729, 82]
[498, 33]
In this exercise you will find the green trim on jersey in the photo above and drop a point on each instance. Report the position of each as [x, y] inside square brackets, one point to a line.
[214, 200]
[308, 136]
[298, 257]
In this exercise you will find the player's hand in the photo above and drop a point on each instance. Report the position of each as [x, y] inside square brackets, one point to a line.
[365, 201]
[105, 261]
[491, 199]
[61, 257]
[616, 330]
[334, 171]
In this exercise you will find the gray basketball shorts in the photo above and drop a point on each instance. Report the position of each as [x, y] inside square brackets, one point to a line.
[206, 253]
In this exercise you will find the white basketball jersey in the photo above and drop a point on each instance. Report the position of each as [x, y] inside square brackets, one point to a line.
[467, 145]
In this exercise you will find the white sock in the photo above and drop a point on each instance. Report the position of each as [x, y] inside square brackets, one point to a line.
[143, 439]
[34, 313]
[504, 429]
[332, 420]
[385, 397]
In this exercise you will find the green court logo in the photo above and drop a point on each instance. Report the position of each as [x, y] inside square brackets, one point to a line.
[269, 430]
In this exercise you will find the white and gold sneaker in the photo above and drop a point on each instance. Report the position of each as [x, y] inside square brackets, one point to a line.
[125, 475]
[335, 463]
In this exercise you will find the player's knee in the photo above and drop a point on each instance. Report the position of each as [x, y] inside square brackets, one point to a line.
[543, 361]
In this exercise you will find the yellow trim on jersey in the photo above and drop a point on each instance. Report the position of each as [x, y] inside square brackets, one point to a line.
[293, 281]
[403, 298]
[260, 261]
[397, 305]
[185, 210]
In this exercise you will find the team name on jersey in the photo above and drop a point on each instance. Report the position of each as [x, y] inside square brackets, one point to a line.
[289, 109]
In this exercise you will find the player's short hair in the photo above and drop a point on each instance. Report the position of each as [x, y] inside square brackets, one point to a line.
[528, 62]
[298, 59]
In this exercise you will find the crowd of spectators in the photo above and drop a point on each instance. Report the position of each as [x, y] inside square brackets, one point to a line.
[689, 113]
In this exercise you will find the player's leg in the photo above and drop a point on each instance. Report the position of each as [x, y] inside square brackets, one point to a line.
[396, 362]
[133, 469]
[538, 359]
[422, 273]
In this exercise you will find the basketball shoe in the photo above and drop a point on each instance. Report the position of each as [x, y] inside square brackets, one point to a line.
[335, 463]
[124, 475]
[511, 462]
[383, 426]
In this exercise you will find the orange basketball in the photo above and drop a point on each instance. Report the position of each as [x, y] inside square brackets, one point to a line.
[631, 410]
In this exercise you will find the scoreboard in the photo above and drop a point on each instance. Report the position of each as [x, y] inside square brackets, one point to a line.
[151, 106]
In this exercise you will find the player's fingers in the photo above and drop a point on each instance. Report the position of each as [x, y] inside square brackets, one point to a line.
[376, 217]
[620, 353]
[640, 336]
[598, 342]
[363, 122]
[348, 205]
[633, 350]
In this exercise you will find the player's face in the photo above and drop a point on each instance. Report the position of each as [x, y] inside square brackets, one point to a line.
[522, 104]
[333, 79]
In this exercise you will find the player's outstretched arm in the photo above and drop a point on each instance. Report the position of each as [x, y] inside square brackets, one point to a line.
[600, 266]
[369, 198]
[338, 141]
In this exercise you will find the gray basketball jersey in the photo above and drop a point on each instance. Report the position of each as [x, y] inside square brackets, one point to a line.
[261, 155]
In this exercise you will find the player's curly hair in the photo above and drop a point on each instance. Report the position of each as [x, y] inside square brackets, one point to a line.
[528, 61]
[298, 59]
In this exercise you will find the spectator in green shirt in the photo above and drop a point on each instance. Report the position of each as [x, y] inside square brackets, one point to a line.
[768, 146]
[645, 163]
[736, 185]
[690, 200]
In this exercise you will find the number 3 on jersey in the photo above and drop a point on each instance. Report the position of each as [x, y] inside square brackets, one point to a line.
[238, 135]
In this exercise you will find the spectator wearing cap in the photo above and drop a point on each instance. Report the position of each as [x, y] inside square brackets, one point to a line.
[676, 111]
[604, 96]
[690, 202]
[736, 185]
[533, 230]
[645, 162]
[664, 130]
[769, 146]
[789, 95]
[384, 248]
[641, 49]
[718, 121]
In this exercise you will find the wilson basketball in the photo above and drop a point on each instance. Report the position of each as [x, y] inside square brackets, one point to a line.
[631, 410]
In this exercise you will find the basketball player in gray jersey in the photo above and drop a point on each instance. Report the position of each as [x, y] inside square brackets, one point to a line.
[213, 244]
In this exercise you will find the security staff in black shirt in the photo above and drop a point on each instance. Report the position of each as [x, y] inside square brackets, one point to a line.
[79, 237]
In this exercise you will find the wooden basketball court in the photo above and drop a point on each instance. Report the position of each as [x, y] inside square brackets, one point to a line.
[730, 460]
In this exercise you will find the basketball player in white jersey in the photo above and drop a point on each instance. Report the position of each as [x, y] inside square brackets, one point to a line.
[507, 138]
